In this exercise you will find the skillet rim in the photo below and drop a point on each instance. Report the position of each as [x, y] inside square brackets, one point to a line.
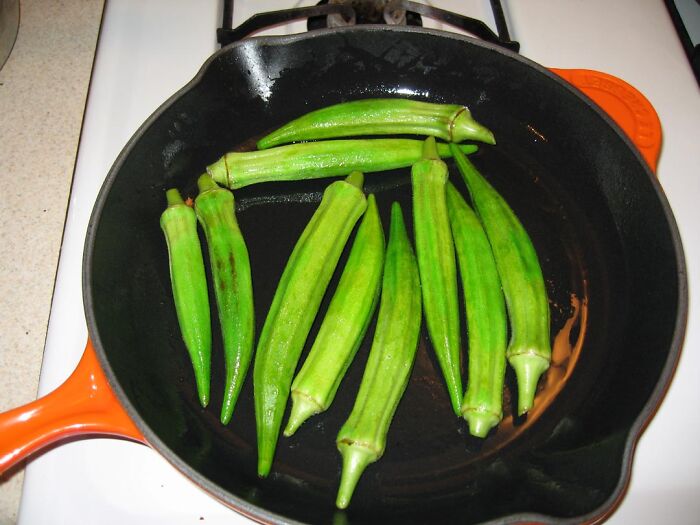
[261, 514]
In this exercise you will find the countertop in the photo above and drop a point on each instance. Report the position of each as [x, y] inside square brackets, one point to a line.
[43, 89]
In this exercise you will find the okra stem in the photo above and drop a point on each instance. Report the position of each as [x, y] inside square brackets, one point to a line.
[391, 116]
[438, 270]
[314, 160]
[294, 307]
[529, 350]
[487, 327]
[189, 287]
[173, 197]
[344, 325]
[233, 288]
[362, 439]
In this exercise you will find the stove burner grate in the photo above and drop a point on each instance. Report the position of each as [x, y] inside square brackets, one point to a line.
[388, 12]
[336, 13]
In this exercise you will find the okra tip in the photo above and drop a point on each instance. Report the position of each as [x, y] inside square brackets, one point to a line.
[267, 442]
[203, 397]
[202, 380]
[464, 127]
[396, 217]
[356, 178]
[528, 369]
[355, 461]
[430, 150]
[480, 422]
[206, 183]
[173, 197]
[303, 407]
[264, 463]
[227, 407]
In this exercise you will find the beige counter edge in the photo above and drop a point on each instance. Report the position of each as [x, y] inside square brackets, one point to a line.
[43, 88]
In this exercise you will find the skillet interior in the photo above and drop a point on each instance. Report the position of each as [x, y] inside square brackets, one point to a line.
[606, 241]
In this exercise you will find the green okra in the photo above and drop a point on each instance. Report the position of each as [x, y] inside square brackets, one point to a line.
[362, 439]
[487, 327]
[189, 286]
[295, 305]
[437, 266]
[316, 160]
[344, 324]
[529, 349]
[233, 288]
[382, 116]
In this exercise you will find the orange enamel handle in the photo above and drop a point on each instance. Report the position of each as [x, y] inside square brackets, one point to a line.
[624, 104]
[83, 405]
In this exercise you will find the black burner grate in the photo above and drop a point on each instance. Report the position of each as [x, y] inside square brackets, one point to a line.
[317, 17]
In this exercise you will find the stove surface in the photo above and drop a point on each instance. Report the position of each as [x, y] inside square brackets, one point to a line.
[148, 50]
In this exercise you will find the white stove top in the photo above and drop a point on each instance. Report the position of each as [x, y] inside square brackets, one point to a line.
[148, 50]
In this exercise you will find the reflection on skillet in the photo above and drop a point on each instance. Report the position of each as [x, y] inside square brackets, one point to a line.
[257, 197]
[278, 198]
[565, 353]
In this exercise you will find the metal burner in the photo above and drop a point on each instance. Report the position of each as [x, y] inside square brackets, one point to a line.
[339, 13]
[368, 12]
[388, 12]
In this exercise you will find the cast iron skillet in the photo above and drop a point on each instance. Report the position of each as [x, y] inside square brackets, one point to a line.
[606, 238]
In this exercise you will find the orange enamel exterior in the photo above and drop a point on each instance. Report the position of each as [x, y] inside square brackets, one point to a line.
[83, 405]
[86, 405]
[625, 105]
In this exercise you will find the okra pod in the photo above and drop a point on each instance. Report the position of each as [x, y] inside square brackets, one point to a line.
[487, 327]
[362, 439]
[295, 305]
[344, 325]
[233, 288]
[315, 160]
[189, 286]
[388, 116]
[529, 349]
[437, 267]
